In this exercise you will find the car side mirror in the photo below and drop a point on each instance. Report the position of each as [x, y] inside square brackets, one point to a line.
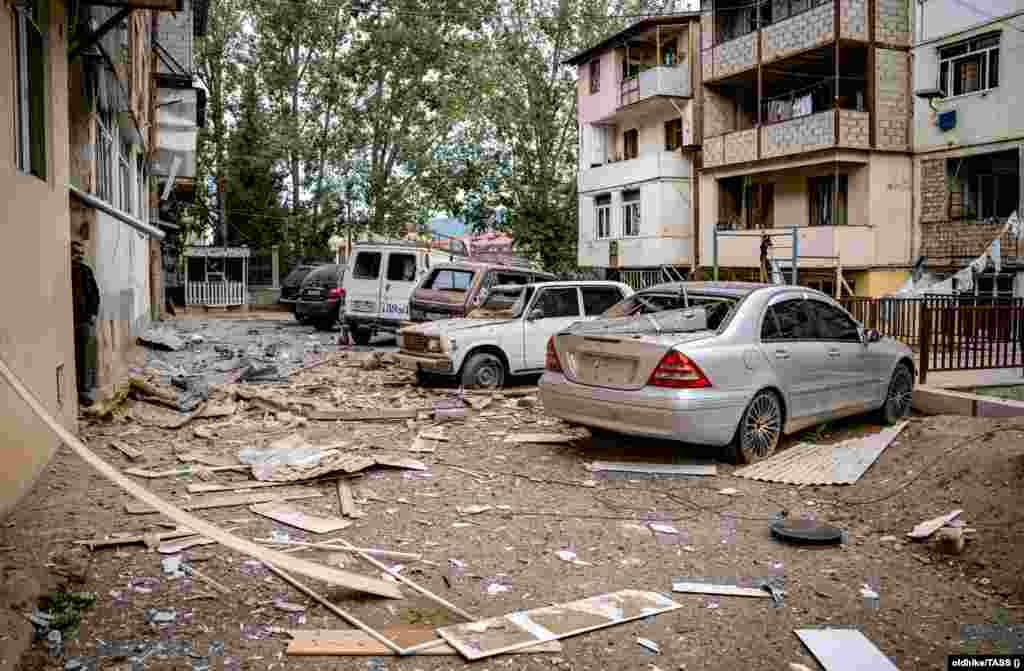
[535, 314]
[871, 335]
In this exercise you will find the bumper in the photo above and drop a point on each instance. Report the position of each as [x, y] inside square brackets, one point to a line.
[435, 366]
[692, 416]
[317, 309]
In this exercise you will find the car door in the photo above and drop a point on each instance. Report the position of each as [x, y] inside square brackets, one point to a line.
[552, 309]
[400, 276]
[789, 342]
[362, 285]
[847, 362]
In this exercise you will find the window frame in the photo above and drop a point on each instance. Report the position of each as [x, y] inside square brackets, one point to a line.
[987, 74]
[631, 214]
[673, 134]
[30, 88]
[540, 296]
[771, 309]
[405, 257]
[630, 141]
[355, 265]
[602, 209]
[594, 68]
[600, 288]
[839, 185]
[813, 303]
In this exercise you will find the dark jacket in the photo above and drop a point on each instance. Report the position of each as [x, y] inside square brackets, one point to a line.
[85, 294]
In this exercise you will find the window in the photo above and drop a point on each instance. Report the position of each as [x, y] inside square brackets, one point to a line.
[448, 279]
[969, 66]
[512, 278]
[30, 88]
[401, 267]
[124, 165]
[105, 155]
[630, 144]
[631, 212]
[367, 266]
[787, 320]
[833, 323]
[984, 185]
[668, 55]
[141, 207]
[598, 299]
[673, 134]
[828, 204]
[558, 303]
[603, 216]
[595, 75]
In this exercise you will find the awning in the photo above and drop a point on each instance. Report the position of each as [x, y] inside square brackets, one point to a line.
[93, 201]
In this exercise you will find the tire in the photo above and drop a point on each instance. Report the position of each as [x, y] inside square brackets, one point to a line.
[361, 336]
[425, 379]
[759, 430]
[898, 396]
[483, 371]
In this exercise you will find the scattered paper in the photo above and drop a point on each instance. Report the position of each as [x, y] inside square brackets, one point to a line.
[663, 528]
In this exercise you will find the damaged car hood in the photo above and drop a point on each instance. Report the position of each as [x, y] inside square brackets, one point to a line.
[448, 326]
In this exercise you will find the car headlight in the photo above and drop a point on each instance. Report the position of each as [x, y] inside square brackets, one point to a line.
[434, 345]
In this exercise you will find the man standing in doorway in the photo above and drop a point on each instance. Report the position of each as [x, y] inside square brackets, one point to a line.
[85, 296]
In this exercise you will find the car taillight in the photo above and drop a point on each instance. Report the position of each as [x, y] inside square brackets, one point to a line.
[677, 371]
[551, 361]
[334, 294]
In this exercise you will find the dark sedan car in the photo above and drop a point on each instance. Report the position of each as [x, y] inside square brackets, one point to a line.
[292, 283]
[321, 297]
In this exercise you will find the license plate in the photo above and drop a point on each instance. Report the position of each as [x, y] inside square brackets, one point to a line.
[363, 306]
[605, 370]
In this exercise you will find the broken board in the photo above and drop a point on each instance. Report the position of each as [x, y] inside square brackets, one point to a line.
[363, 415]
[928, 527]
[228, 500]
[357, 642]
[694, 468]
[723, 590]
[844, 650]
[286, 514]
[546, 438]
[484, 638]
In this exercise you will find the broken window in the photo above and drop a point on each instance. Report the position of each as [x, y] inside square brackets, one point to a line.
[828, 200]
[30, 93]
[630, 144]
[598, 299]
[367, 266]
[969, 66]
[984, 186]
[673, 134]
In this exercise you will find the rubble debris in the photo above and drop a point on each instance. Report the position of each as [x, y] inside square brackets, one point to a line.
[219, 410]
[806, 532]
[193, 572]
[547, 438]
[480, 403]
[370, 415]
[649, 644]
[570, 556]
[928, 527]
[94, 543]
[346, 502]
[844, 650]
[281, 512]
[423, 445]
[951, 539]
[255, 373]
[162, 339]
[335, 463]
[127, 450]
[350, 642]
[484, 638]
[292, 450]
[206, 458]
[675, 469]
[182, 470]
[171, 567]
[209, 488]
[175, 547]
[434, 433]
[720, 588]
[332, 546]
[229, 500]
[663, 528]
[473, 510]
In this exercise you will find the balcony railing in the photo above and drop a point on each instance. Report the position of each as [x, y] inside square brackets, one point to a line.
[660, 80]
[645, 167]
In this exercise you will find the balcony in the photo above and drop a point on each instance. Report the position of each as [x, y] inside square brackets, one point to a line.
[644, 168]
[796, 26]
[661, 80]
[802, 134]
[854, 245]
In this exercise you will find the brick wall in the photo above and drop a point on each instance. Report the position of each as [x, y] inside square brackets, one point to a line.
[892, 93]
[740, 146]
[956, 240]
[174, 33]
[853, 19]
[892, 22]
[719, 113]
[854, 129]
[801, 32]
[734, 56]
[711, 151]
[798, 135]
[934, 194]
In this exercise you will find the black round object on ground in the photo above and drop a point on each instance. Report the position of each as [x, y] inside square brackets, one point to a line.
[806, 532]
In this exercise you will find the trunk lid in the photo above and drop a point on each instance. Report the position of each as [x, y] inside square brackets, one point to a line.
[615, 357]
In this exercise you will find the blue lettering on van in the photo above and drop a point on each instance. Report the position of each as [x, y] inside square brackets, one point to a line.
[395, 308]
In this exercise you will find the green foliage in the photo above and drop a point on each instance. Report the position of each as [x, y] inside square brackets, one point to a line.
[64, 609]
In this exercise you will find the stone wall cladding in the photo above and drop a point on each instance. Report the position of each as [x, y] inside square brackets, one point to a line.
[712, 151]
[734, 56]
[892, 22]
[798, 33]
[853, 19]
[174, 32]
[808, 133]
[892, 91]
[955, 239]
[854, 129]
[933, 190]
[740, 146]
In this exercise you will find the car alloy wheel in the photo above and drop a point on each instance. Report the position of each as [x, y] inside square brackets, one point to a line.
[483, 371]
[760, 428]
[901, 394]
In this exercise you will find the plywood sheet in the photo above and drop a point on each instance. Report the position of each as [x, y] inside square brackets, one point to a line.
[292, 516]
[484, 638]
[844, 650]
[352, 642]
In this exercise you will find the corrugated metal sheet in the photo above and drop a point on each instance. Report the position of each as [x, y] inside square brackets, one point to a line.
[839, 464]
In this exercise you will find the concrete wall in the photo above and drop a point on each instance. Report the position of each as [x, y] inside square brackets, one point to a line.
[891, 207]
[594, 106]
[939, 18]
[35, 284]
[892, 99]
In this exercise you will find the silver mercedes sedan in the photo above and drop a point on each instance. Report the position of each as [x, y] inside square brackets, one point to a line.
[727, 364]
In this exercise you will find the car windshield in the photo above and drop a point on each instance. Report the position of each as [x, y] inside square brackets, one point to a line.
[449, 279]
[717, 307]
[504, 303]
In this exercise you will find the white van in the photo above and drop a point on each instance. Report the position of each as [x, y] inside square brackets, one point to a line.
[379, 281]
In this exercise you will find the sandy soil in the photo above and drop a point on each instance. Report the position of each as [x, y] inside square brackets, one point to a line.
[542, 499]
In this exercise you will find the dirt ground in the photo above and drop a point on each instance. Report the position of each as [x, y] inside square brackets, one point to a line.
[543, 498]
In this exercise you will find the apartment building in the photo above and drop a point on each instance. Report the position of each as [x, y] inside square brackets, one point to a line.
[806, 124]
[969, 137]
[637, 96]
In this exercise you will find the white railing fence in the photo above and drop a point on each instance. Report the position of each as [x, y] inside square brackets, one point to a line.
[215, 294]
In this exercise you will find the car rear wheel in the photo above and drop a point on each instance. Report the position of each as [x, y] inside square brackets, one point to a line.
[759, 431]
[899, 396]
[483, 371]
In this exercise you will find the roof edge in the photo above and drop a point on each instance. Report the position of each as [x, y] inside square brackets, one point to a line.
[631, 30]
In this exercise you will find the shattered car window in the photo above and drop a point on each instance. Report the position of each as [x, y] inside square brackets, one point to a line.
[503, 304]
[717, 307]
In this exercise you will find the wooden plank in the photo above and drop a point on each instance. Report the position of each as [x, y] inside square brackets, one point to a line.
[928, 527]
[345, 499]
[661, 469]
[373, 415]
[228, 501]
[844, 650]
[174, 547]
[724, 590]
[547, 438]
[182, 470]
[522, 629]
[292, 516]
[94, 543]
[314, 570]
[351, 642]
[209, 487]
[330, 546]
[126, 450]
